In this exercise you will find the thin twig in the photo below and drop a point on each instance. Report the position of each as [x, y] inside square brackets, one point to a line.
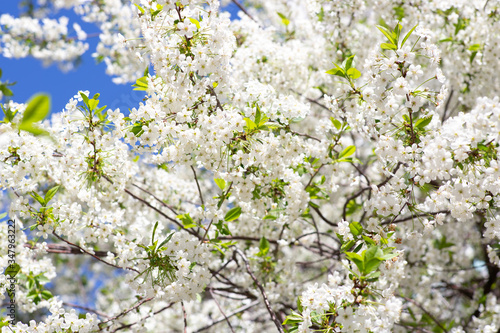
[221, 311]
[150, 315]
[323, 217]
[198, 185]
[57, 248]
[242, 309]
[184, 315]
[443, 118]
[86, 309]
[305, 135]
[426, 312]
[312, 100]
[244, 10]
[156, 210]
[156, 198]
[262, 292]
[121, 314]
[314, 175]
[93, 255]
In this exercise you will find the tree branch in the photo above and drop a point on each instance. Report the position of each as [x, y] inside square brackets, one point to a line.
[262, 291]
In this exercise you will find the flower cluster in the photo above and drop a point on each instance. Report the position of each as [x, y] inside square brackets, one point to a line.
[317, 166]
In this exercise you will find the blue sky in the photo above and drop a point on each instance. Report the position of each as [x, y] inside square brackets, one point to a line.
[32, 77]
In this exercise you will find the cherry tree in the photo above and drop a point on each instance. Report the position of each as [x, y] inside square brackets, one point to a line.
[311, 166]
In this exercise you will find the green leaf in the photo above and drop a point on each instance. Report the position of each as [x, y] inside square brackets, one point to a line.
[50, 194]
[36, 131]
[371, 265]
[408, 36]
[369, 240]
[387, 46]
[294, 318]
[390, 36]
[12, 269]
[37, 109]
[140, 8]
[258, 115]
[347, 152]
[284, 20]
[348, 63]
[2, 216]
[353, 73]
[85, 98]
[357, 260]
[169, 237]
[9, 115]
[356, 228]
[475, 47]
[397, 32]
[195, 22]
[264, 246]
[141, 84]
[232, 214]
[221, 183]
[422, 122]
[336, 123]
[46, 294]
[154, 231]
[372, 259]
[347, 246]
[38, 198]
[187, 221]
[250, 124]
[137, 129]
[93, 104]
[336, 71]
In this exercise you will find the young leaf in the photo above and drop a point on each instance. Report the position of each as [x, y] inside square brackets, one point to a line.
[357, 260]
[50, 194]
[408, 36]
[154, 231]
[141, 84]
[232, 214]
[356, 228]
[187, 221]
[36, 131]
[347, 152]
[37, 109]
[388, 34]
[85, 98]
[336, 123]
[264, 246]
[38, 198]
[166, 240]
[195, 22]
[336, 71]
[353, 73]
[284, 20]
[422, 122]
[250, 124]
[387, 46]
[221, 183]
[348, 63]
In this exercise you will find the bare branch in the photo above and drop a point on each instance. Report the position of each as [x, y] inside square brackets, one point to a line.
[221, 311]
[262, 291]
[93, 255]
[244, 10]
[235, 312]
[198, 185]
